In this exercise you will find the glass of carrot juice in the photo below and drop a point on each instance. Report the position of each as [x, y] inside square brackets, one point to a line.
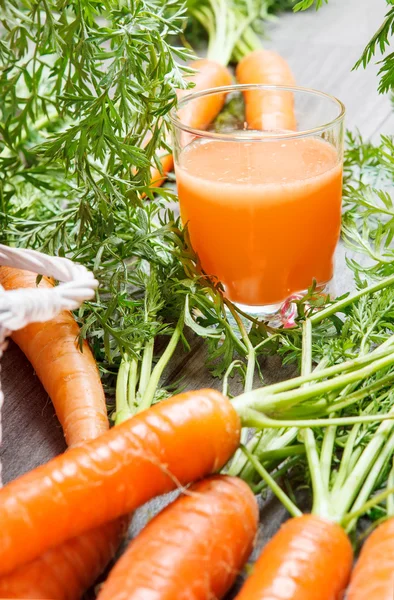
[262, 202]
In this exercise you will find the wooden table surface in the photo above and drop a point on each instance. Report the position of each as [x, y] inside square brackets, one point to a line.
[321, 48]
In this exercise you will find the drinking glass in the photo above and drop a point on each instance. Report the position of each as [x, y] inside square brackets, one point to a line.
[262, 206]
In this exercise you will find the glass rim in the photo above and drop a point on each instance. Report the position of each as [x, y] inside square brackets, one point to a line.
[232, 136]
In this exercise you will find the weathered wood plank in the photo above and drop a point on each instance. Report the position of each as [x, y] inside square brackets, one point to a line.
[31, 431]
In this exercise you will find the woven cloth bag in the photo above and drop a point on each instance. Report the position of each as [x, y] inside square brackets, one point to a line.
[18, 308]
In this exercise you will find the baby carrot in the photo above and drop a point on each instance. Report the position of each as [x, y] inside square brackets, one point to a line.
[175, 442]
[197, 544]
[308, 558]
[69, 376]
[372, 578]
[267, 110]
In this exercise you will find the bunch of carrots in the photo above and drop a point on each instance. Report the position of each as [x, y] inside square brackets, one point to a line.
[62, 521]
[61, 524]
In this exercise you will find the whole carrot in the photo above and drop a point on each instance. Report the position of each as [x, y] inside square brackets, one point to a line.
[175, 442]
[309, 558]
[202, 111]
[373, 575]
[64, 572]
[69, 375]
[267, 110]
[196, 546]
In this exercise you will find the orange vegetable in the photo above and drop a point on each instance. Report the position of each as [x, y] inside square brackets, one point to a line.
[267, 110]
[64, 572]
[201, 112]
[197, 545]
[309, 558]
[372, 578]
[67, 571]
[175, 442]
[69, 376]
[167, 164]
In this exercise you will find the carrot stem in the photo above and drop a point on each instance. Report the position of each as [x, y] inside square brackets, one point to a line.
[231, 367]
[277, 490]
[326, 454]
[354, 458]
[390, 498]
[39, 124]
[345, 497]
[259, 487]
[261, 445]
[157, 372]
[306, 359]
[337, 306]
[364, 391]
[240, 460]
[282, 453]
[250, 351]
[132, 386]
[372, 477]
[254, 418]
[321, 505]
[267, 340]
[343, 470]
[126, 389]
[248, 42]
[122, 407]
[250, 367]
[146, 366]
[367, 506]
[262, 400]
[350, 365]
[229, 30]
[218, 49]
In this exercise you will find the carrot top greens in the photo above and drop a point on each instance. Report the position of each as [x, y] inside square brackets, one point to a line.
[234, 27]
[82, 84]
[305, 4]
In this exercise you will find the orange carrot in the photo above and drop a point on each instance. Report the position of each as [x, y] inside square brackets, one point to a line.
[176, 441]
[64, 572]
[67, 571]
[373, 575]
[167, 164]
[200, 113]
[309, 558]
[69, 376]
[267, 110]
[197, 545]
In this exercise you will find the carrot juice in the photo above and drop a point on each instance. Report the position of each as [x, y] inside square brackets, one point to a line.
[264, 216]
